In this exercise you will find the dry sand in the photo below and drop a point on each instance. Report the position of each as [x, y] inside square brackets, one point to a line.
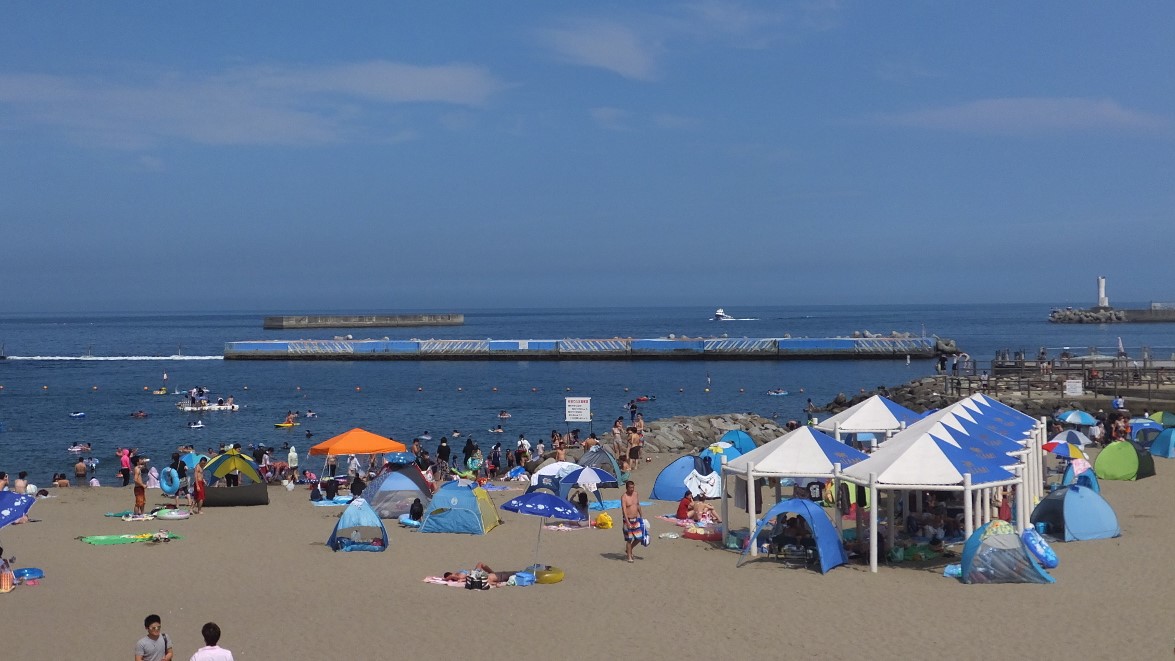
[265, 575]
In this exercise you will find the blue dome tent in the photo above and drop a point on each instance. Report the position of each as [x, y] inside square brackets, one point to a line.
[462, 507]
[670, 482]
[356, 528]
[1086, 478]
[741, 440]
[994, 553]
[828, 546]
[1074, 513]
[1164, 445]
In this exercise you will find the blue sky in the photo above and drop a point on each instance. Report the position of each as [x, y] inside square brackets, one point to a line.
[452, 155]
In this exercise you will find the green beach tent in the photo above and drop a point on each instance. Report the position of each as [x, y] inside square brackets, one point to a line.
[1124, 460]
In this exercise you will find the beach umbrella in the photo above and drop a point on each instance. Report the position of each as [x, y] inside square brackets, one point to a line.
[590, 476]
[1165, 418]
[1072, 436]
[400, 458]
[1066, 450]
[542, 505]
[1075, 417]
[232, 460]
[191, 459]
[13, 506]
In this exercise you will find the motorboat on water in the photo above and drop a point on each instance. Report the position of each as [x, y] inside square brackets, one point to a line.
[78, 414]
[199, 424]
[187, 407]
[720, 315]
[777, 392]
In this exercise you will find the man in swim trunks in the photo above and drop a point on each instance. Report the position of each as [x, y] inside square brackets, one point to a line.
[140, 485]
[630, 511]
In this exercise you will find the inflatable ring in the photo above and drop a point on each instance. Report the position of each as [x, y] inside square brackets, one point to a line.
[406, 520]
[548, 575]
[28, 573]
[173, 515]
[169, 481]
[703, 534]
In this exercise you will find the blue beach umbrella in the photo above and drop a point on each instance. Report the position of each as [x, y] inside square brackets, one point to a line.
[13, 506]
[1075, 417]
[542, 504]
[400, 458]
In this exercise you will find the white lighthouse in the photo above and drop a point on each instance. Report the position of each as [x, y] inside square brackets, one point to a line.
[1102, 300]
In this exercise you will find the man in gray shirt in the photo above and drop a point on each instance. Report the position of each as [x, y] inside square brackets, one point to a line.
[154, 646]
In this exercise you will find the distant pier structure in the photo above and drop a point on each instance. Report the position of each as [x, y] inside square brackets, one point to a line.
[363, 320]
[1103, 313]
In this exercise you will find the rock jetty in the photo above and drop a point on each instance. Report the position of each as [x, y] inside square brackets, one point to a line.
[690, 433]
[1090, 316]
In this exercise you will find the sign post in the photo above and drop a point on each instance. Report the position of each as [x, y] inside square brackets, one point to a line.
[578, 409]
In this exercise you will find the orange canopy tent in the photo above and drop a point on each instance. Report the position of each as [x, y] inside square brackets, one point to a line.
[358, 441]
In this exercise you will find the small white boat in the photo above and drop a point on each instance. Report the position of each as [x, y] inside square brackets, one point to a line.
[196, 425]
[77, 414]
[720, 315]
[777, 392]
[188, 408]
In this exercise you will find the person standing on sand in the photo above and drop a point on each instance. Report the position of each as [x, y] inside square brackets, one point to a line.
[630, 510]
[140, 486]
[292, 462]
[212, 651]
[199, 485]
[154, 646]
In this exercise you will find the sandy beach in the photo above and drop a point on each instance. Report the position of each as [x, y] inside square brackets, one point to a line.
[265, 575]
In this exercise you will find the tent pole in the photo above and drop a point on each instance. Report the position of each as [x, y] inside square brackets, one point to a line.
[836, 505]
[751, 513]
[724, 526]
[891, 528]
[872, 522]
[968, 520]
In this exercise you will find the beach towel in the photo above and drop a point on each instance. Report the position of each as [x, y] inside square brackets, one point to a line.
[612, 505]
[121, 514]
[138, 517]
[684, 523]
[440, 580]
[108, 540]
[498, 487]
[339, 501]
[562, 527]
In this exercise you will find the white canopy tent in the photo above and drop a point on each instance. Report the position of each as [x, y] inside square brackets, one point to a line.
[876, 415]
[915, 459]
[802, 453]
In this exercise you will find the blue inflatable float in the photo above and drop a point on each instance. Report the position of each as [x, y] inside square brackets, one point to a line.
[1039, 548]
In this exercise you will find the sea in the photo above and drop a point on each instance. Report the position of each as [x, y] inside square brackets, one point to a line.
[107, 365]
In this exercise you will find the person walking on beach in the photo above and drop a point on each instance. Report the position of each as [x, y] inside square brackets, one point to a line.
[140, 486]
[212, 651]
[155, 646]
[630, 510]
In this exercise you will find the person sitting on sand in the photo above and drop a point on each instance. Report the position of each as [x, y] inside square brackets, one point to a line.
[330, 488]
[685, 506]
[701, 511]
[416, 510]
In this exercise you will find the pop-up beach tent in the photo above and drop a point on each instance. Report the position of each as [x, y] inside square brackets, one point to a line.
[1079, 472]
[828, 545]
[356, 529]
[1124, 460]
[599, 457]
[460, 506]
[738, 438]
[1074, 513]
[994, 553]
[1164, 445]
[391, 494]
[670, 482]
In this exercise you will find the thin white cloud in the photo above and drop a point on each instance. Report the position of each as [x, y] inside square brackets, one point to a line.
[633, 46]
[249, 105]
[1033, 115]
[604, 45]
[613, 119]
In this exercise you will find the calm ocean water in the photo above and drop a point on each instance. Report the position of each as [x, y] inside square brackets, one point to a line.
[102, 364]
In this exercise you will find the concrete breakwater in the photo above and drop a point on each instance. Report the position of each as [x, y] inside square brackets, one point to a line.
[671, 348]
[690, 433]
[363, 321]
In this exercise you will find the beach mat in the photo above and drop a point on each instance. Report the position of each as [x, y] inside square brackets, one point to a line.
[440, 580]
[339, 501]
[119, 515]
[684, 523]
[499, 487]
[600, 506]
[562, 527]
[110, 540]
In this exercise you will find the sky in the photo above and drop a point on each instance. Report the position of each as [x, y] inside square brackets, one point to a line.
[453, 155]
